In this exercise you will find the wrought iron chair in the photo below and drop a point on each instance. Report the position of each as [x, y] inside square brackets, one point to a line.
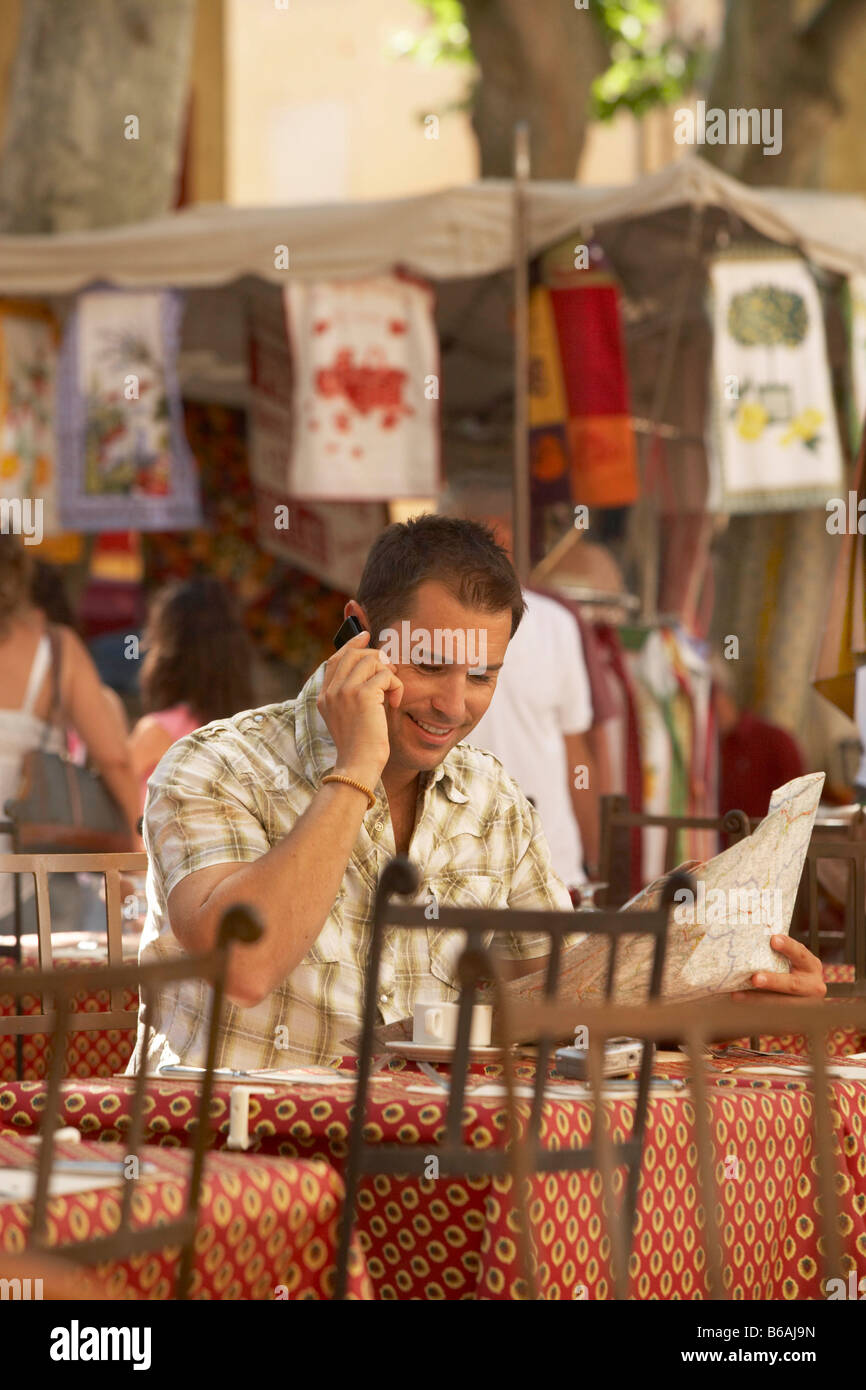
[476, 963]
[58, 989]
[697, 1024]
[621, 827]
[111, 867]
[847, 844]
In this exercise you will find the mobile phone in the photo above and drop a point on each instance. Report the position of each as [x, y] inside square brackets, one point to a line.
[347, 630]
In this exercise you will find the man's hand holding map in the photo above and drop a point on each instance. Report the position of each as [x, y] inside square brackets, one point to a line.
[744, 897]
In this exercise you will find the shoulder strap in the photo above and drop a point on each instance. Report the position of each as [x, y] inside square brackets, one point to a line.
[39, 665]
[55, 713]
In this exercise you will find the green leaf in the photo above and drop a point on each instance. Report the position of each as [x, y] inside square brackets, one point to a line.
[646, 68]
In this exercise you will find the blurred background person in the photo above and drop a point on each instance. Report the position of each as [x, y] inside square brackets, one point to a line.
[197, 668]
[48, 592]
[536, 723]
[49, 595]
[755, 757]
[25, 700]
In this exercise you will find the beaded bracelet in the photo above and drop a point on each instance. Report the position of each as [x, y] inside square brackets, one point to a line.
[350, 782]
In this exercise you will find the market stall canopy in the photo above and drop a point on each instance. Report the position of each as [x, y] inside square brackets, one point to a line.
[452, 234]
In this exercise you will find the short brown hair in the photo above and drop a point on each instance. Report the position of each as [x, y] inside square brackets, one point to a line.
[16, 574]
[462, 555]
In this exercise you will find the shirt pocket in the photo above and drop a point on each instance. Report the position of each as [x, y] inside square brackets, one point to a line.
[276, 809]
[457, 888]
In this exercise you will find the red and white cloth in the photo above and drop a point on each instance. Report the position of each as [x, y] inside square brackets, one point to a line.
[365, 407]
[327, 539]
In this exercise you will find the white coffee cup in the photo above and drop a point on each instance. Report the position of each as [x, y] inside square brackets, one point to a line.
[435, 1024]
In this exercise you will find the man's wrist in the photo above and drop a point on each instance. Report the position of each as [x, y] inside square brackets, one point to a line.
[367, 775]
[356, 779]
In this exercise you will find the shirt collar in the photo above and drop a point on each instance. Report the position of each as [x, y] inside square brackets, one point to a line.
[318, 753]
[450, 774]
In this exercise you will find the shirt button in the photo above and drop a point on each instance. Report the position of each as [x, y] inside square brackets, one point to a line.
[384, 997]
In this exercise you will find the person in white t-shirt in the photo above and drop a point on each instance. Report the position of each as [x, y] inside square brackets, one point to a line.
[542, 706]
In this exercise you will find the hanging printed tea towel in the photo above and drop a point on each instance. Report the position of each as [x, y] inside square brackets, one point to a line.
[775, 443]
[365, 413]
[28, 475]
[124, 460]
[857, 350]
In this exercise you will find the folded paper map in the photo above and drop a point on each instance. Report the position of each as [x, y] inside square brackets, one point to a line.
[716, 941]
[719, 940]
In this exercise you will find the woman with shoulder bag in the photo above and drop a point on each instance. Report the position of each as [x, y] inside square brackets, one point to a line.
[48, 683]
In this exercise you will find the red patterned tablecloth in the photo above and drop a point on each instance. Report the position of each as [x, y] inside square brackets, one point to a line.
[841, 1042]
[267, 1227]
[454, 1237]
[104, 1052]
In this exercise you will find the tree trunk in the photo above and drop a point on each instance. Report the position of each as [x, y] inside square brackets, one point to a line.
[537, 59]
[83, 70]
[767, 59]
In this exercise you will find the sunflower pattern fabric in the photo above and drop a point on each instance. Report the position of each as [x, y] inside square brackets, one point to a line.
[774, 440]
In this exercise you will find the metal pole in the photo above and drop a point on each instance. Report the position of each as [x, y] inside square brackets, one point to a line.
[520, 486]
[645, 522]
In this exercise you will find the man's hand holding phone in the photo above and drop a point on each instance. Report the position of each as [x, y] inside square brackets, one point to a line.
[295, 884]
[352, 703]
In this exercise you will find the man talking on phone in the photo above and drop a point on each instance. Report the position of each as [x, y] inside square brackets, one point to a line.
[295, 809]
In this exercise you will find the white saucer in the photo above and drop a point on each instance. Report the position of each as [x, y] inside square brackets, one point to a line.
[435, 1052]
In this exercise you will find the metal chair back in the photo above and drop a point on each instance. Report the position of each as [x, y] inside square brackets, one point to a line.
[239, 924]
[111, 867]
[476, 963]
[697, 1024]
[620, 840]
[847, 844]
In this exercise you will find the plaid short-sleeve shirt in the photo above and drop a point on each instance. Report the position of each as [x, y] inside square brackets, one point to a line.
[230, 791]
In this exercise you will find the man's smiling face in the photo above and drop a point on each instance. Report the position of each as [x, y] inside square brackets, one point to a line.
[442, 700]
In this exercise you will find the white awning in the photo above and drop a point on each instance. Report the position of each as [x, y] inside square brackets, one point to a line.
[456, 233]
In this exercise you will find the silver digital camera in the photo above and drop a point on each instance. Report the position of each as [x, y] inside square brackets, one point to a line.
[621, 1055]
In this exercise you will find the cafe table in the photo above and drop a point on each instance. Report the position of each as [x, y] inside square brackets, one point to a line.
[267, 1227]
[105, 1052]
[455, 1237]
[101, 1052]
